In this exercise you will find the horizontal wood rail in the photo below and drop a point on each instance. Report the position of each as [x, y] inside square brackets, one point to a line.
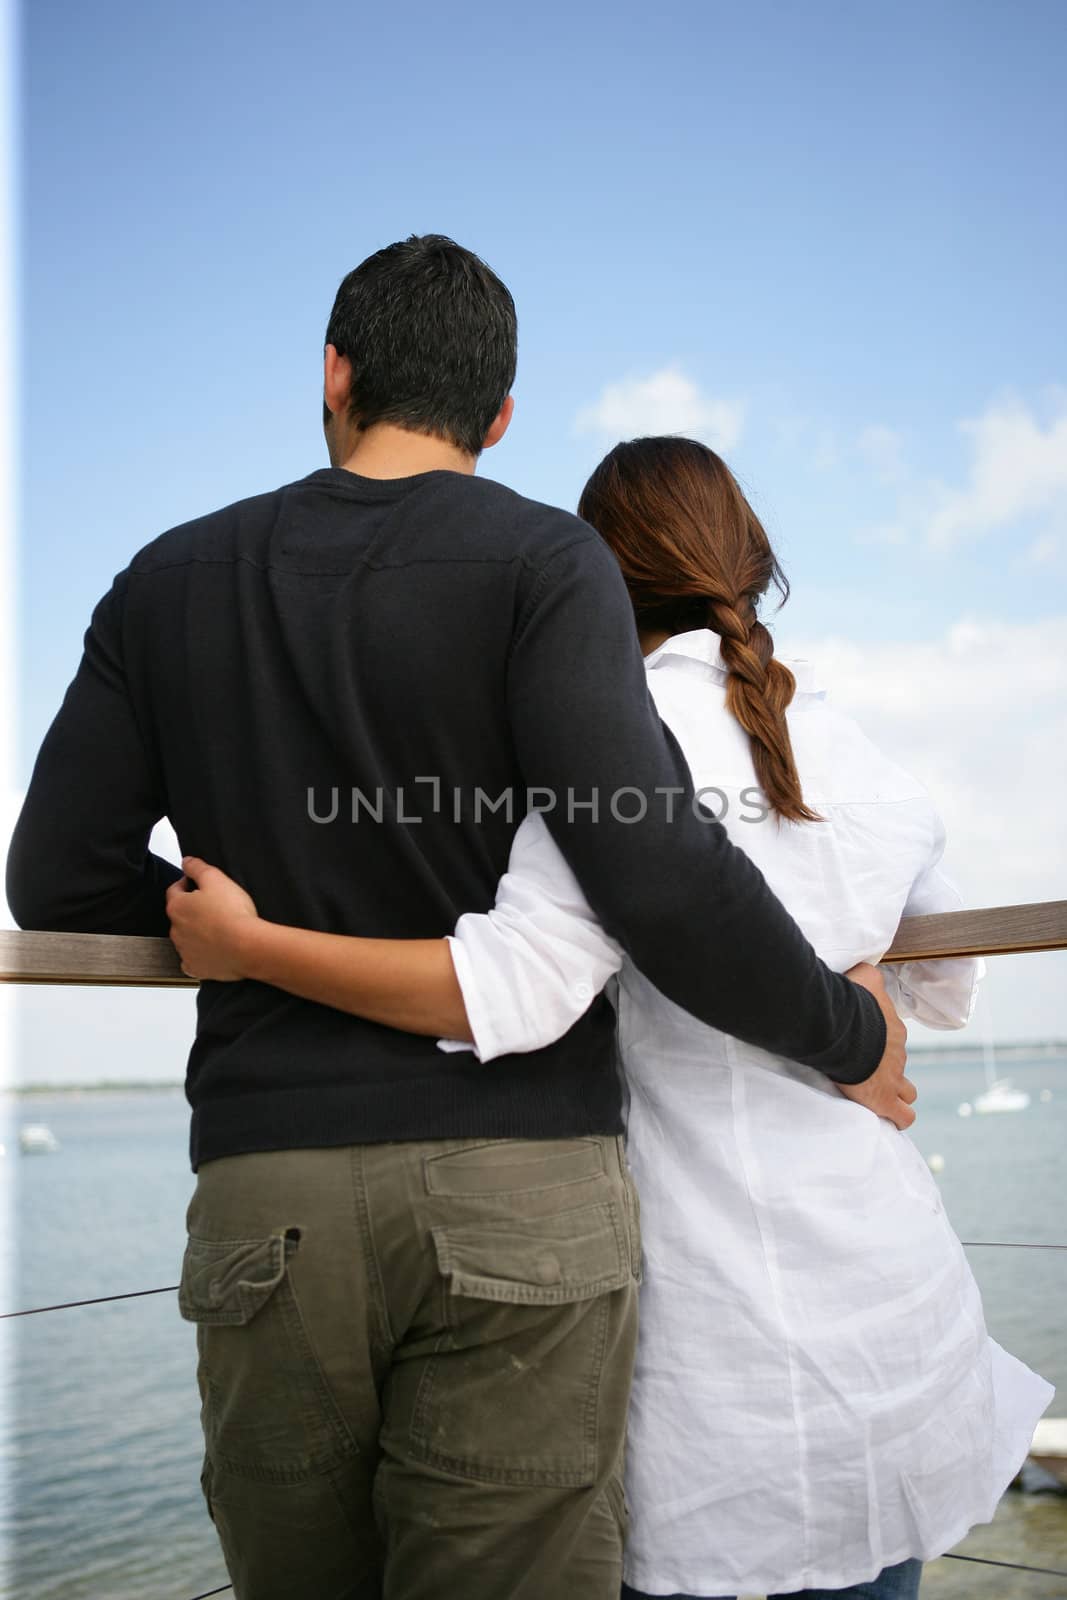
[990, 931]
[93, 958]
[104, 958]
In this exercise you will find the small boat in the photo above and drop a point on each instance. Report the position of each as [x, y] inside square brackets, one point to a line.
[1049, 1448]
[1000, 1096]
[37, 1140]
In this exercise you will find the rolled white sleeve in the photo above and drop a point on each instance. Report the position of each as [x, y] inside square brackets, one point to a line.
[939, 994]
[532, 965]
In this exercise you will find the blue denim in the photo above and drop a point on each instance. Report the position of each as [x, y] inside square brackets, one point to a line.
[892, 1583]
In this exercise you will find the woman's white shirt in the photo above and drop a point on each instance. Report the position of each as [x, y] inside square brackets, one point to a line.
[816, 1396]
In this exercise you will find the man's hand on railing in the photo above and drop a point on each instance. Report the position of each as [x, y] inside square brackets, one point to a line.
[887, 1091]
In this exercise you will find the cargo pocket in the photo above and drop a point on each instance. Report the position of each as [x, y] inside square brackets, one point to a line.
[267, 1411]
[515, 1166]
[511, 1392]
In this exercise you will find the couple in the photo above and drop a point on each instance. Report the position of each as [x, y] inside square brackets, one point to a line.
[413, 1266]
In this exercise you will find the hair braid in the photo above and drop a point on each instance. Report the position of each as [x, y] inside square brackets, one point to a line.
[694, 553]
[758, 690]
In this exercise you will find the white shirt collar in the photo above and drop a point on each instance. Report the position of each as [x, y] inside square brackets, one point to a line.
[701, 644]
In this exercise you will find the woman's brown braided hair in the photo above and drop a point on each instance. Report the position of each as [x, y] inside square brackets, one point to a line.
[694, 554]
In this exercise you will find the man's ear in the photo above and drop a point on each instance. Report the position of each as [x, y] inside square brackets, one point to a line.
[337, 381]
[499, 425]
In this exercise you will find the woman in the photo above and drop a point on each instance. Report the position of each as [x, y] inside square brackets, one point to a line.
[817, 1406]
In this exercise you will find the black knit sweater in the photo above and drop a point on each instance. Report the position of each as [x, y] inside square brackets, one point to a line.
[346, 693]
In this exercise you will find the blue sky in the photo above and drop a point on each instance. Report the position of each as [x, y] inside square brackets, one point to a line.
[827, 236]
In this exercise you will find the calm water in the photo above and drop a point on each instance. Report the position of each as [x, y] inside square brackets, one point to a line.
[104, 1435]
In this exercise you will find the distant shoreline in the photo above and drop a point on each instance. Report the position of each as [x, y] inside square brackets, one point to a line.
[109, 1086]
[1011, 1050]
[926, 1055]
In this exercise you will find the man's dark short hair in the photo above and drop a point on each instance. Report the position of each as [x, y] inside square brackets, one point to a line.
[431, 335]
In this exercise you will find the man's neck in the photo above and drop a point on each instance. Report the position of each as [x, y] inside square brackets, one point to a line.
[388, 452]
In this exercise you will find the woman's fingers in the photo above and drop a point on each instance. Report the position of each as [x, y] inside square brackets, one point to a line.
[206, 927]
[218, 892]
[200, 873]
[908, 1094]
[905, 1116]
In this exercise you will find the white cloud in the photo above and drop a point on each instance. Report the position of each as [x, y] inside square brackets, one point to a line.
[665, 402]
[979, 715]
[1042, 552]
[1018, 469]
[1016, 472]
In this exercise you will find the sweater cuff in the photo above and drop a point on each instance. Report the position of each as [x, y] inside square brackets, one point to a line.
[855, 1056]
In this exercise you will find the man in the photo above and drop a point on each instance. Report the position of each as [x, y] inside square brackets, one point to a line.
[414, 1277]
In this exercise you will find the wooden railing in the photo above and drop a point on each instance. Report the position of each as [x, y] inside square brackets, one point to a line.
[103, 958]
[97, 958]
[990, 931]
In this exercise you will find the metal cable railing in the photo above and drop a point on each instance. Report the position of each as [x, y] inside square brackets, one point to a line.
[994, 1244]
[973, 1244]
[1016, 1566]
[171, 1288]
[101, 959]
[97, 1300]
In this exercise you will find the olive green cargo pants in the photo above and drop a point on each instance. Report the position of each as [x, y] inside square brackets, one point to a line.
[414, 1367]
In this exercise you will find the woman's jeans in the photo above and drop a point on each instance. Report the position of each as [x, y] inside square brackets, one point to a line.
[892, 1583]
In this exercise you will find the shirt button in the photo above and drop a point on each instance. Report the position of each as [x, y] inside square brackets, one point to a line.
[583, 991]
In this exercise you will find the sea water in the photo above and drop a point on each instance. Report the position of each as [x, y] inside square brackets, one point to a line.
[102, 1443]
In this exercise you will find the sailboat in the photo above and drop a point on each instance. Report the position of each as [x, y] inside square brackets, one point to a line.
[999, 1094]
[35, 1139]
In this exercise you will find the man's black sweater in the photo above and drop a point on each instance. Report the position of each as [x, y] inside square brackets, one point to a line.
[277, 677]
